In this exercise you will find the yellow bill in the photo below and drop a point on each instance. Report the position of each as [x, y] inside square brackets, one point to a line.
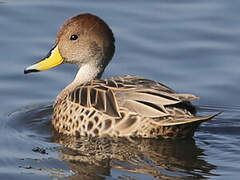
[53, 59]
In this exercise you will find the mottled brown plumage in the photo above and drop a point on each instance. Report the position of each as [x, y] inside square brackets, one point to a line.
[126, 106]
[120, 106]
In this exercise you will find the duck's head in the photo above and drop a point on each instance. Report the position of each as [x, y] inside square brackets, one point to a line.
[84, 40]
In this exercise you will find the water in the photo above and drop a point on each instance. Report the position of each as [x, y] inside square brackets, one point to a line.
[192, 46]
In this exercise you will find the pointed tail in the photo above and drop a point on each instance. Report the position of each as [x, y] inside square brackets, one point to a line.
[179, 121]
[183, 127]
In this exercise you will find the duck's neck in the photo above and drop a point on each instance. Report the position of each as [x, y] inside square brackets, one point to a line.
[85, 73]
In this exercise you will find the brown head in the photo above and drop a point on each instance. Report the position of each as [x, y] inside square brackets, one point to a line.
[84, 39]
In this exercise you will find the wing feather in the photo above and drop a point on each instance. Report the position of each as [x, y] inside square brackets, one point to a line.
[100, 101]
[112, 108]
[139, 95]
[147, 110]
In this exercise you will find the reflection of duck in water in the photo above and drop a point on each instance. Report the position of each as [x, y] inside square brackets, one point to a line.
[91, 157]
[120, 106]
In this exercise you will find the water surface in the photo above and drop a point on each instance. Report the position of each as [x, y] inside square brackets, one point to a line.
[191, 46]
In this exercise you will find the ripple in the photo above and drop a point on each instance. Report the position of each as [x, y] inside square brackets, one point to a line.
[33, 121]
[101, 157]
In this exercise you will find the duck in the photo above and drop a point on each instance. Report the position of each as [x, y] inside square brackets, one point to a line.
[123, 106]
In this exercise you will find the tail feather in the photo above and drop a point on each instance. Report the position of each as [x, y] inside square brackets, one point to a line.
[182, 127]
[189, 120]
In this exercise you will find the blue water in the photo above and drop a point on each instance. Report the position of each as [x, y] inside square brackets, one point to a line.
[191, 46]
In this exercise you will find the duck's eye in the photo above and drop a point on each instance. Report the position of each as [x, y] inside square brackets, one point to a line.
[73, 37]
